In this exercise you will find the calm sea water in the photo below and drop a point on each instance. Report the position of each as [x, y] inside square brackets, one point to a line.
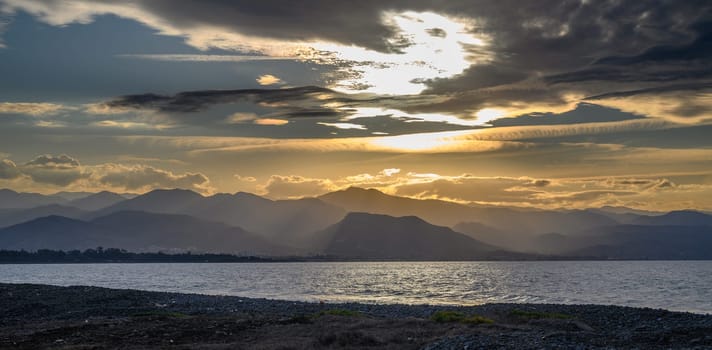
[672, 285]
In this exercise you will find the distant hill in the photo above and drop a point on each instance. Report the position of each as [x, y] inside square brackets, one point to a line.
[647, 242]
[97, 201]
[55, 232]
[353, 223]
[493, 236]
[286, 220]
[10, 199]
[136, 231]
[170, 201]
[71, 196]
[514, 221]
[355, 199]
[682, 218]
[363, 235]
[10, 217]
[630, 242]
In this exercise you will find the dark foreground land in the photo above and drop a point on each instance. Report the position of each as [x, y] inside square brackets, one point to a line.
[39, 316]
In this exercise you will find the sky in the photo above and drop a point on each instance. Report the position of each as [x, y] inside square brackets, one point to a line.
[548, 104]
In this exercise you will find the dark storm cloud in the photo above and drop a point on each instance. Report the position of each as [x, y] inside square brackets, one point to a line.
[298, 102]
[698, 87]
[193, 101]
[349, 22]
[660, 63]
[544, 51]
[645, 74]
[476, 77]
[62, 161]
[529, 35]
[537, 54]
[584, 113]
[699, 49]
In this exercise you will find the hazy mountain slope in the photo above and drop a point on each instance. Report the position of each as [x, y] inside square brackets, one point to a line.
[626, 210]
[363, 235]
[682, 218]
[10, 217]
[495, 237]
[136, 231]
[647, 242]
[97, 201]
[437, 212]
[55, 232]
[153, 232]
[284, 219]
[10, 199]
[515, 221]
[71, 196]
[157, 201]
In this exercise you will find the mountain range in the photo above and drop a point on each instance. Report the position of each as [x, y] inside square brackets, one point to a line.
[353, 223]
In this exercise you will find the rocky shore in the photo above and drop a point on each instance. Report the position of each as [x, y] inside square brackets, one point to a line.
[40, 316]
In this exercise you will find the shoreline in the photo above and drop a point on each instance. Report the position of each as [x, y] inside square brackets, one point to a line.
[41, 316]
[278, 261]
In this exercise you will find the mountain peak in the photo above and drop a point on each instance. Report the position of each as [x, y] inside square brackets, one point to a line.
[406, 237]
[361, 216]
[7, 191]
[248, 195]
[355, 189]
[679, 217]
[50, 220]
[172, 191]
[355, 192]
[97, 201]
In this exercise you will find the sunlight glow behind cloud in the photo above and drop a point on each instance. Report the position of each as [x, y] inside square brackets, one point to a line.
[425, 56]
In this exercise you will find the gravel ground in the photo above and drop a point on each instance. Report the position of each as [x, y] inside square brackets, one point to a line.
[40, 316]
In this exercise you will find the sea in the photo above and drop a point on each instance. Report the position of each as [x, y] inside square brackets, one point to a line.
[672, 285]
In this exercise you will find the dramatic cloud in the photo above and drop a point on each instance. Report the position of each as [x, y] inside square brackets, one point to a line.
[66, 172]
[62, 161]
[680, 104]
[498, 191]
[59, 170]
[206, 58]
[34, 109]
[142, 178]
[295, 187]
[550, 103]
[193, 101]
[8, 169]
[483, 44]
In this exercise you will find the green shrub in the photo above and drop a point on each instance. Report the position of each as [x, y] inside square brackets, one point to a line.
[536, 315]
[459, 317]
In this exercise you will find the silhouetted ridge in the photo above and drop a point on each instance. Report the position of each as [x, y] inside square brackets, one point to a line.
[10, 199]
[250, 196]
[10, 217]
[137, 231]
[97, 201]
[50, 220]
[680, 217]
[364, 235]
